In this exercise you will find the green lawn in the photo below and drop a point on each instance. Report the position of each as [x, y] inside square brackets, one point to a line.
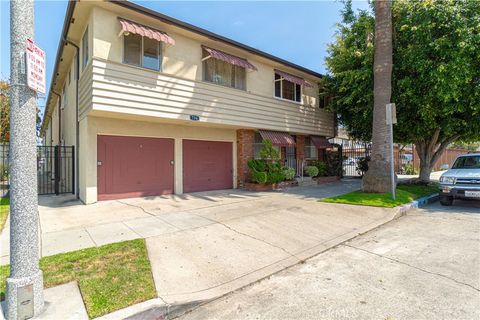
[4, 209]
[405, 193]
[110, 277]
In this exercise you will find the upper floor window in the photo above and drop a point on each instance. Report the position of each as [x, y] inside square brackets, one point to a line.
[85, 52]
[223, 73]
[141, 51]
[324, 101]
[287, 90]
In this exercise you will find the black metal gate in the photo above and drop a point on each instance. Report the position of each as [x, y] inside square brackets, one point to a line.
[55, 169]
[353, 152]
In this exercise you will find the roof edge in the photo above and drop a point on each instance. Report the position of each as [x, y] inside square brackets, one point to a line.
[209, 34]
[61, 45]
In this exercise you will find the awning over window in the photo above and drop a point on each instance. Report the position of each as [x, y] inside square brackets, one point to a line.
[279, 139]
[136, 28]
[237, 61]
[320, 142]
[294, 79]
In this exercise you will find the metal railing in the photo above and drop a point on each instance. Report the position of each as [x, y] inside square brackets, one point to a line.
[55, 169]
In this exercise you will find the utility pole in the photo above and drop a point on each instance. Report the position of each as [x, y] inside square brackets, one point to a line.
[25, 282]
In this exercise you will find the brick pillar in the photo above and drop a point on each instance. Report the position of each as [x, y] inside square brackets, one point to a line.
[300, 152]
[245, 141]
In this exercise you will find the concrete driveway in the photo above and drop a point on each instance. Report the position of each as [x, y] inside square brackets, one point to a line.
[204, 245]
[425, 265]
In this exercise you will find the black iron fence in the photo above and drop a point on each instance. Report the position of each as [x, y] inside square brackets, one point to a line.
[354, 153]
[55, 169]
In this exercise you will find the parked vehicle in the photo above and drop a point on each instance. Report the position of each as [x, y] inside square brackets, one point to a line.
[462, 181]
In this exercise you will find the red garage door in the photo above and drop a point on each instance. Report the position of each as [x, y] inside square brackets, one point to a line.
[134, 167]
[207, 165]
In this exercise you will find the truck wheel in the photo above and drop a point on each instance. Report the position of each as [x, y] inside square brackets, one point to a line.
[446, 200]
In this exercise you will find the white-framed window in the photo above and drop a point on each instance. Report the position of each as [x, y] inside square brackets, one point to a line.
[310, 150]
[288, 90]
[142, 51]
[85, 52]
[223, 73]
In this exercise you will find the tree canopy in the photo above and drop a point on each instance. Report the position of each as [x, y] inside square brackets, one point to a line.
[436, 73]
[4, 112]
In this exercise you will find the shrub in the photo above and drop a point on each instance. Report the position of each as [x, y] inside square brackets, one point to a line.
[362, 165]
[289, 173]
[321, 166]
[311, 171]
[268, 152]
[259, 177]
[409, 169]
[267, 169]
[333, 160]
[3, 172]
[257, 165]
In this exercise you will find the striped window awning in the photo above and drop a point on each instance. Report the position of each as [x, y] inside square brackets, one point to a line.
[279, 139]
[321, 142]
[237, 61]
[294, 79]
[136, 28]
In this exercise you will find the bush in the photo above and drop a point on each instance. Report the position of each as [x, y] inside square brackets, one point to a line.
[334, 163]
[268, 152]
[259, 177]
[3, 172]
[362, 165]
[409, 169]
[289, 173]
[311, 171]
[267, 169]
[321, 166]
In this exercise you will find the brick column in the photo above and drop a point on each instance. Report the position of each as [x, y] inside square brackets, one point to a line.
[300, 152]
[245, 141]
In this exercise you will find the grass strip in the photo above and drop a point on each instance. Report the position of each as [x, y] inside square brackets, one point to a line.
[405, 193]
[110, 277]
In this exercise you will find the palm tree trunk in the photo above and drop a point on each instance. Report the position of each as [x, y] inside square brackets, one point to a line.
[377, 178]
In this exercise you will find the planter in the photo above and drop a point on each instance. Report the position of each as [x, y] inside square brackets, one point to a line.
[258, 187]
[321, 180]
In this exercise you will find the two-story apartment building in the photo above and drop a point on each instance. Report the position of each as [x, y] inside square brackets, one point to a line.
[158, 106]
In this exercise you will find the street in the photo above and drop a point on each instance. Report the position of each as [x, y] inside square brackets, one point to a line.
[425, 265]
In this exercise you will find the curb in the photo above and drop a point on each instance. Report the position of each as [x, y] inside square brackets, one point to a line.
[159, 309]
[403, 209]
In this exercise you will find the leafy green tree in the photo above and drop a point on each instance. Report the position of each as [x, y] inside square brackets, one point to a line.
[4, 112]
[436, 74]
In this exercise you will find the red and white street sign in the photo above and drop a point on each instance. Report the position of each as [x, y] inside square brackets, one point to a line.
[35, 67]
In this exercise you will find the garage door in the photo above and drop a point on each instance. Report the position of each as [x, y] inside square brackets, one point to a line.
[134, 167]
[207, 165]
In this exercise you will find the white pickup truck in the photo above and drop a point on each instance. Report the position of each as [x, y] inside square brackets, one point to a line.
[462, 180]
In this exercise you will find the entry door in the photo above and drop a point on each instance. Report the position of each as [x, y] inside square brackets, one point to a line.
[134, 167]
[207, 165]
[291, 158]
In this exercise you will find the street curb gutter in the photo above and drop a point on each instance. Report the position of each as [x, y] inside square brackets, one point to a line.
[158, 309]
[403, 209]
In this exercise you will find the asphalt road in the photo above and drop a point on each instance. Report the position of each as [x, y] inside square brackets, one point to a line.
[425, 265]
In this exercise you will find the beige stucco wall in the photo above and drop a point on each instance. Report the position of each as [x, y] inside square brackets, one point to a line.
[91, 127]
[177, 91]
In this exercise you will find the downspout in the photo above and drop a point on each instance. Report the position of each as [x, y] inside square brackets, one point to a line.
[59, 117]
[77, 124]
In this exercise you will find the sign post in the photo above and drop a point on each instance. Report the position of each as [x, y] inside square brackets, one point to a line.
[391, 118]
[24, 298]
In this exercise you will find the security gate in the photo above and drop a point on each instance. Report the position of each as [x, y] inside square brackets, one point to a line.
[55, 169]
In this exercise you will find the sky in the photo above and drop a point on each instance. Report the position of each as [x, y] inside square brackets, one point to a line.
[297, 31]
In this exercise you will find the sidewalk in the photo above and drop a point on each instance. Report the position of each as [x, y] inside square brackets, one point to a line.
[203, 246]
